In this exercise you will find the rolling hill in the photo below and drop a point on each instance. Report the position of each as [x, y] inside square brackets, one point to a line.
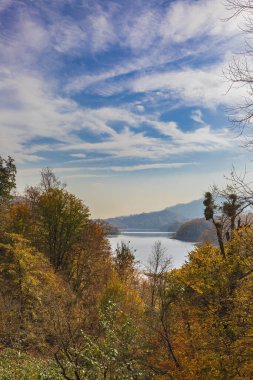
[168, 219]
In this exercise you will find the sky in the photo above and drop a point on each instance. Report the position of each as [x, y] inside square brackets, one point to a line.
[126, 100]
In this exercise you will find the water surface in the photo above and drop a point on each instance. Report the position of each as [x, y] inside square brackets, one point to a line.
[142, 242]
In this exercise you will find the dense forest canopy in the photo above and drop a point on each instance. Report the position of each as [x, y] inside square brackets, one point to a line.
[71, 309]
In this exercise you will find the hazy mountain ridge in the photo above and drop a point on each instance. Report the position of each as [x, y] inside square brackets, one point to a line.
[168, 219]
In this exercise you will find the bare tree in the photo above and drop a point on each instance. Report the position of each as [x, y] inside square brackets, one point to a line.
[240, 71]
[162, 297]
[49, 180]
[158, 265]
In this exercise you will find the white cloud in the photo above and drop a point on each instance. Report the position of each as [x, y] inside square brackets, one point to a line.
[101, 31]
[157, 36]
[36, 117]
[23, 43]
[205, 87]
[186, 20]
[130, 144]
[35, 120]
[133, 168]
[5, 4]
[197, 116]
[140, 107]
[140, 29]
[68, 37]
[78, 155]
[31, 109]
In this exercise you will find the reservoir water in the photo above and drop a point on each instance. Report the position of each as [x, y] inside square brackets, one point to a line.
[142, 243]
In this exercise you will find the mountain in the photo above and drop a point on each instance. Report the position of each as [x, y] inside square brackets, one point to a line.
[168, 219]
[194, 209]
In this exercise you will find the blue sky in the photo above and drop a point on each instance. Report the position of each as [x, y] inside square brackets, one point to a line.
[124, 99]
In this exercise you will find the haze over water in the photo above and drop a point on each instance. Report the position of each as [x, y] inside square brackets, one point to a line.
[142, 243]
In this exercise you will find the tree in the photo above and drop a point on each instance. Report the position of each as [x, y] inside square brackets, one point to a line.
[62, 217]
[7, 184]
[216, 294]
[124, 261]
[20, 219]
[158, 266]
[49, 180]
[90, 264]
[225, 212]
[209, 212]
[31, 295]
[160, 308]
[108, 346]
[52, 220]
[239, 72]
[111, 354]
[7, 177]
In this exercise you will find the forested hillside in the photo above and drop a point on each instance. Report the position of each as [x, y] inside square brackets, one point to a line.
[194, 230]
[169, 219]
[72, 310]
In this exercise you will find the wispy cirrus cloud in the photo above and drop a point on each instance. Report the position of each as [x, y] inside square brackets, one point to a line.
[32, 111]
[133, 168]
[158, 36]
[197, 116]
[61, 72]
[206, 87]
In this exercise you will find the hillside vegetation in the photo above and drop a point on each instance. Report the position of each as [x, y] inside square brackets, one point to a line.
[193, 230]
[72, 310]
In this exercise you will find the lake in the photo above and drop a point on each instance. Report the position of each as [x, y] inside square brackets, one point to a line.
[142, 243]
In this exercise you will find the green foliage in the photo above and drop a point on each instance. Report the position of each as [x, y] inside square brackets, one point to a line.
[109, 355]
[16, 365]
[124, 260]
[7, 177]
[209, 206]
[62, 216]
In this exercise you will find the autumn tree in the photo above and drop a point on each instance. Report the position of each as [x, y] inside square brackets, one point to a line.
[7, 177]
[7, 184]
[220, 315]
[113, 348]
[20, 219]
[50, 217]
[30, 294]
[90, 263]
[62, 218]
[124, 261]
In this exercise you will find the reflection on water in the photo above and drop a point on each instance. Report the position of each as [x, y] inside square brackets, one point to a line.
[143, 241]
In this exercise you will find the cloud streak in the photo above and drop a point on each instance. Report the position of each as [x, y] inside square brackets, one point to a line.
[89, 84]
[133, 168]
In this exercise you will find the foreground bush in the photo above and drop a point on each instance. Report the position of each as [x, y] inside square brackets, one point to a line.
[20, 366]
